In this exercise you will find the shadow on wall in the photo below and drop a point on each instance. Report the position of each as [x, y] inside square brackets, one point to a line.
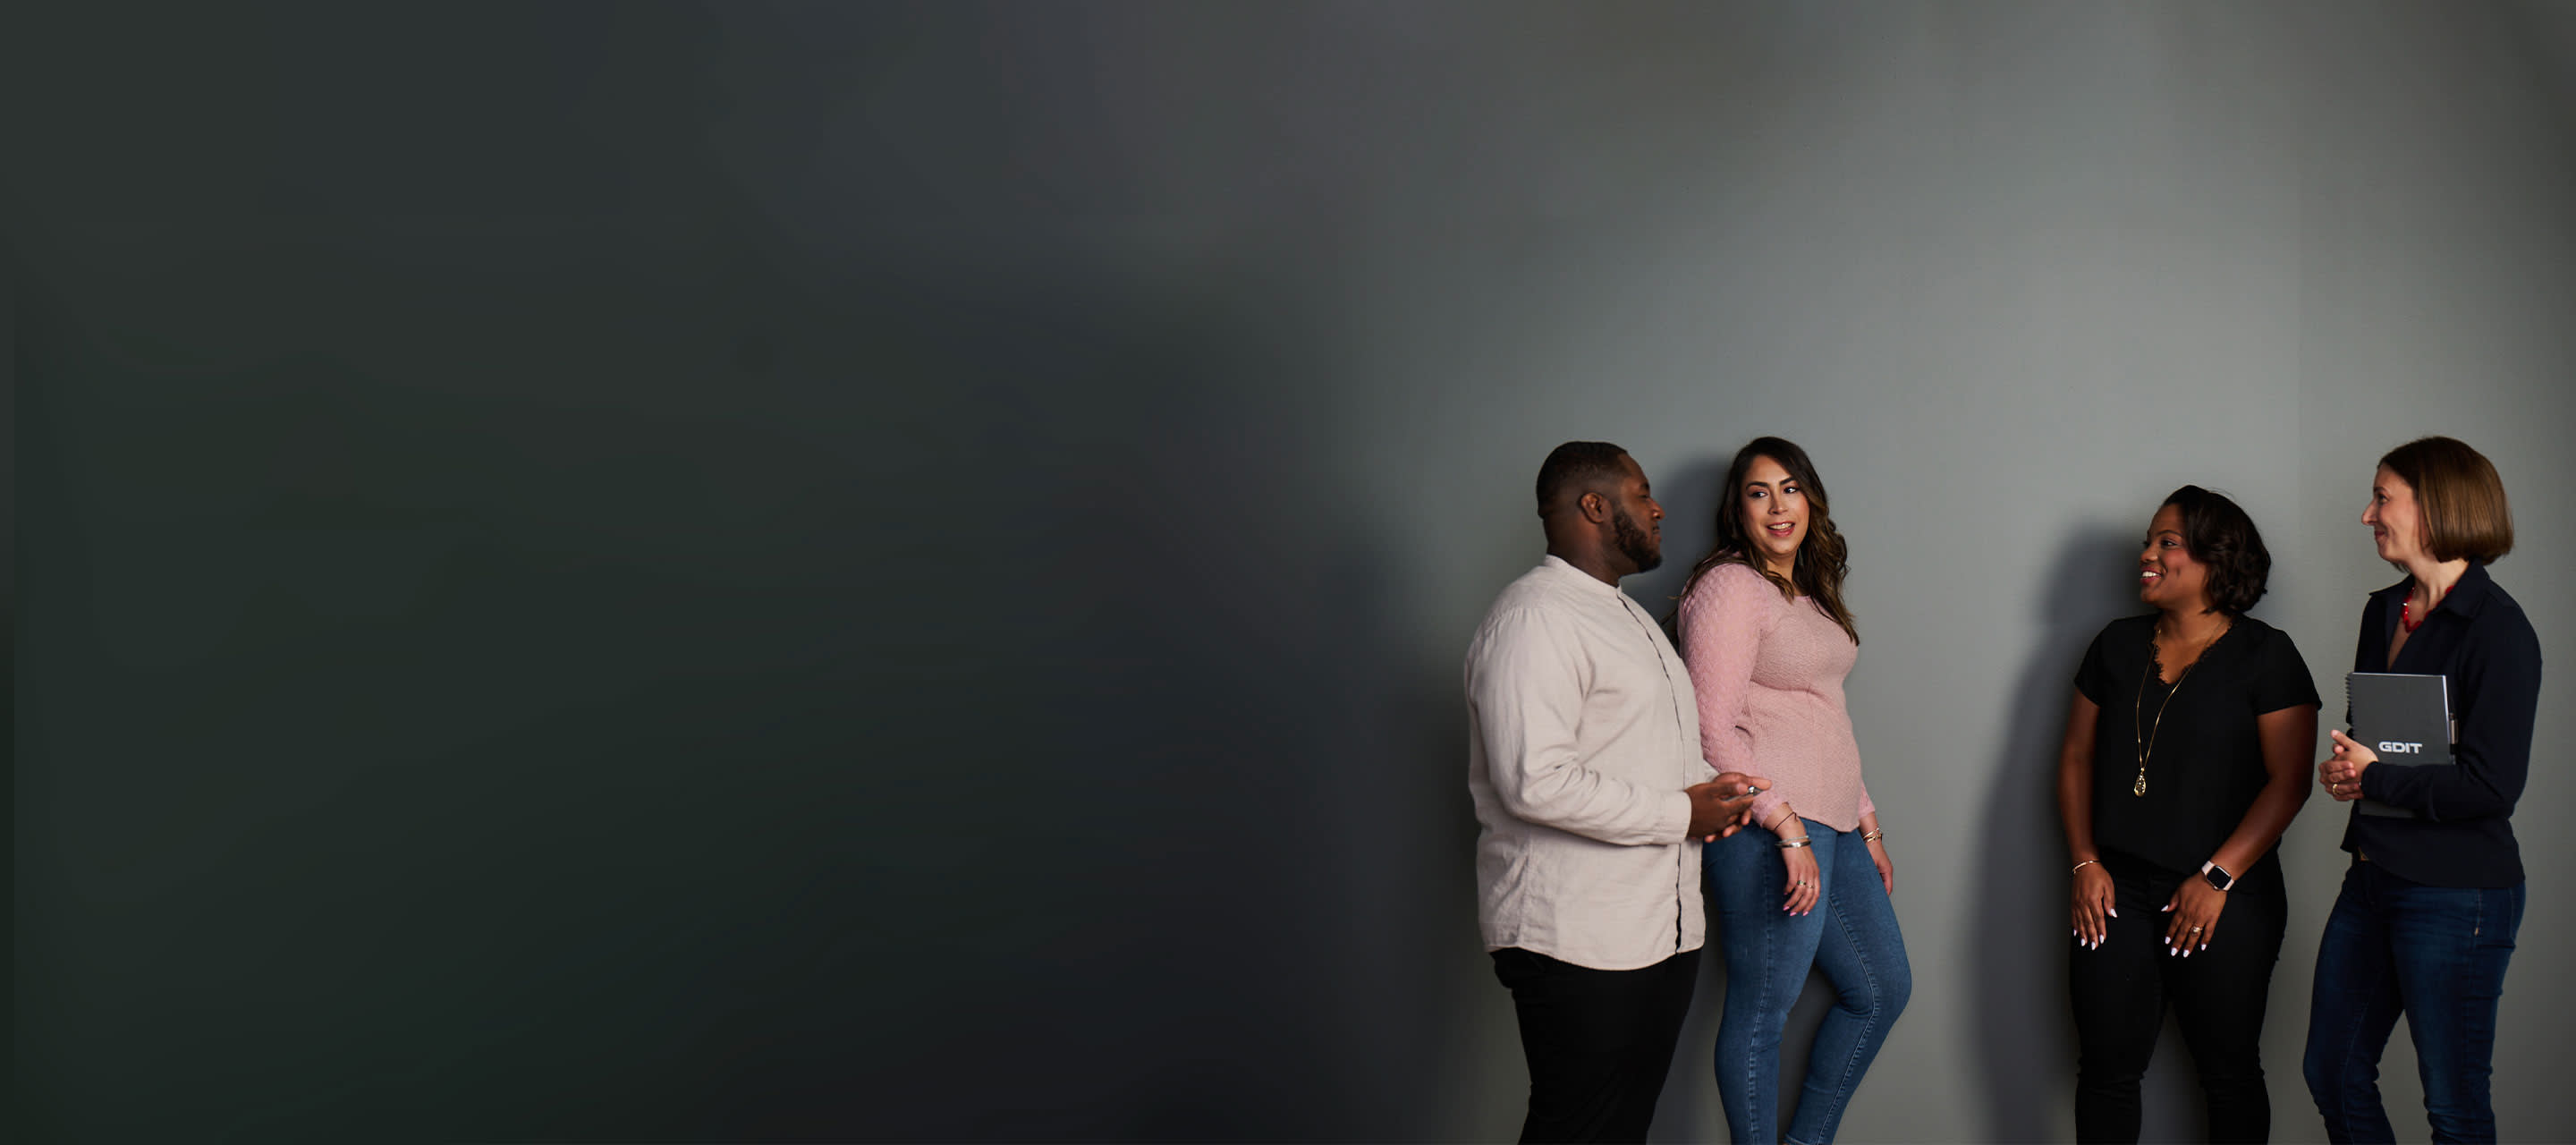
[1690, 496]
[2025, 1038]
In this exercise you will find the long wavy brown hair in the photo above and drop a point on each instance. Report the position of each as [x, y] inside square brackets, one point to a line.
[1823, 558]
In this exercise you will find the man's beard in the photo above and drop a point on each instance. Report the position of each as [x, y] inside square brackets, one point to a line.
[1639, 546]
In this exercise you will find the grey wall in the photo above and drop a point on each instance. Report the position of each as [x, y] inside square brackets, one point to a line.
[837, 572]
[2010, 275]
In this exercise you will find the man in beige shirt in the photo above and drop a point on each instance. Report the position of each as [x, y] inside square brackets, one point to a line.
[1583, 760]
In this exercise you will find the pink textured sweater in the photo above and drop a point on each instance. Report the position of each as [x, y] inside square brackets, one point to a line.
[1769, 675]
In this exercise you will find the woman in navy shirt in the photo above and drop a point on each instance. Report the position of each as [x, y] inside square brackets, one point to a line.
[2426, 920]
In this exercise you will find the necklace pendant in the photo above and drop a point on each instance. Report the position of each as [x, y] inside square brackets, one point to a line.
[2140, 788]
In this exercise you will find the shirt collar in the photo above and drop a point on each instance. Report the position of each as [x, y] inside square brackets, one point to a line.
[1566, 571]
[2464, 597]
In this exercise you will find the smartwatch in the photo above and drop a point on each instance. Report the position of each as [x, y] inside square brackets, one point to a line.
[2217, 875]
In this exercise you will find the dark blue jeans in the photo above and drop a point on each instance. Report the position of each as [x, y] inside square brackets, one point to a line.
[2434, 954]
[1851, 936]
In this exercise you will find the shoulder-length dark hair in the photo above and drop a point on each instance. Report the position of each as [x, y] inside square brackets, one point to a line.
[1823, 558]
[2219, 534]
[2458, 496]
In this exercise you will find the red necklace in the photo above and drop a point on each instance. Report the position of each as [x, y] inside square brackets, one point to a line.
[2406, 618]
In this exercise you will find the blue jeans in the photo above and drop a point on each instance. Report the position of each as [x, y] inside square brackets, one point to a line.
[2435, 954]
[1851, 936]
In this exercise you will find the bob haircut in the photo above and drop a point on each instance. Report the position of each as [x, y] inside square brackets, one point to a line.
[2459, 497]
[2217, 533]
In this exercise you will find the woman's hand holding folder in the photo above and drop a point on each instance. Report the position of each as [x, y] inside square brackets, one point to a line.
[2341, 772]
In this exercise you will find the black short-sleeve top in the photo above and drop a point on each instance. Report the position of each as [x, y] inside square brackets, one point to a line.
[2207, 763]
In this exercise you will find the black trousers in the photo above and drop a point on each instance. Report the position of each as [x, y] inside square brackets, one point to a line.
[2122, 991]
[1598, 1041]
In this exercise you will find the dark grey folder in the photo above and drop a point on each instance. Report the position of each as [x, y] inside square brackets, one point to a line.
[2405, 718]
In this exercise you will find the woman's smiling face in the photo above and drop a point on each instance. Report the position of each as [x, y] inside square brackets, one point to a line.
[1775, 513]
[2396, 520]
[2169, 577]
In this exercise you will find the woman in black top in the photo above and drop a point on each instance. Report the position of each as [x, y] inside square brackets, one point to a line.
[2186, 756]
[2426, 920]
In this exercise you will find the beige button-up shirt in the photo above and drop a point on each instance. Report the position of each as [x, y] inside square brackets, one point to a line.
[1581, 734]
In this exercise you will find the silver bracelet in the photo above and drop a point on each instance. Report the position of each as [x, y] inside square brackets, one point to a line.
[2082, 865]
[1794, 844]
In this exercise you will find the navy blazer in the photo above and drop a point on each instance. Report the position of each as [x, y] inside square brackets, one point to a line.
[2461, 834]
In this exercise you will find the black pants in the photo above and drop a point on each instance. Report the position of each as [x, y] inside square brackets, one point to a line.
[2122, 990]
[1598, 1041]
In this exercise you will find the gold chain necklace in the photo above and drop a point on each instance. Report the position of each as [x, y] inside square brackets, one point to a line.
[2146, 736]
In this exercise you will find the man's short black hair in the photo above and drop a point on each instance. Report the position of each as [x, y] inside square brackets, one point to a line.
[1580, 466]
[2217, 533]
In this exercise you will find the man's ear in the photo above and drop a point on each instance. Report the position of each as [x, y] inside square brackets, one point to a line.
[1595, 506]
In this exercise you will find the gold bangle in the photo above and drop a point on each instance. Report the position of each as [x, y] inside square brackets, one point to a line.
[1872, 836]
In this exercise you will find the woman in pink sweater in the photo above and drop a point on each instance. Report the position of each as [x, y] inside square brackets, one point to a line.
[1768, 641]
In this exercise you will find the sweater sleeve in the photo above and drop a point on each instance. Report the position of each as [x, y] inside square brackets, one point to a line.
[1723, 620]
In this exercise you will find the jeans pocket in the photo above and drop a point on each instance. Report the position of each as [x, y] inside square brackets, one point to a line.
[2498, 918]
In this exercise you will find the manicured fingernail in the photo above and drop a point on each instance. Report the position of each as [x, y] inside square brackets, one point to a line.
[2112, 913]
[2204, 946]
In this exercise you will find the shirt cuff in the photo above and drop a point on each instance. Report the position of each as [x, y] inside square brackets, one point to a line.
[1677, 817]
[1768, 807]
